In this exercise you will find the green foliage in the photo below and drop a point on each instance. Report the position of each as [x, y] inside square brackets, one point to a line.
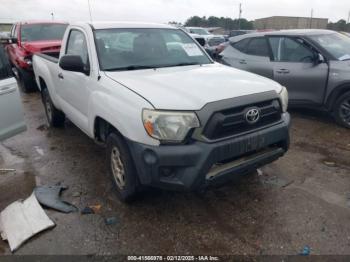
[224, 22]
[341, 25]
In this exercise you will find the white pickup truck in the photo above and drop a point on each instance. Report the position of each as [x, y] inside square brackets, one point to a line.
[168, 115]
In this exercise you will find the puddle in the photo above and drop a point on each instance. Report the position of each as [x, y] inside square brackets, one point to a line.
[17, 186]
[19, 181]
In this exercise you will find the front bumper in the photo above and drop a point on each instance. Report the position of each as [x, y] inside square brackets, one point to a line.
[199, 164]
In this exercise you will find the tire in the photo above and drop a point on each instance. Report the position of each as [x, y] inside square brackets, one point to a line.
[26, 81]
[55, 117]
[342, 110]
[121, 168]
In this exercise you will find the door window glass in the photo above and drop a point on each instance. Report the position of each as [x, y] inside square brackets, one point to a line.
[258, 47]
[287, 49]
[241, 45]
[77, 46]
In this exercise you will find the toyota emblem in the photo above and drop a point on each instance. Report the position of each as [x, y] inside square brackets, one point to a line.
[252, 116]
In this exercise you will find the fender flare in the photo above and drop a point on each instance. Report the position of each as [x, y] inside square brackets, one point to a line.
[336, 92]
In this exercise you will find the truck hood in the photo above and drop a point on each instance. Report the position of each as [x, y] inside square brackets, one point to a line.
[42, 46]
[192, 87]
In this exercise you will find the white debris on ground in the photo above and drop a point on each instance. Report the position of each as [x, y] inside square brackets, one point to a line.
[39, 150]
[21, 220]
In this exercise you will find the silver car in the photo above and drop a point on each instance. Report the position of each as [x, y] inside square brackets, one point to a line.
[314, 65]
[11, 111]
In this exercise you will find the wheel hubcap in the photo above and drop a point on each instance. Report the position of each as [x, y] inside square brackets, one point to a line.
[118, 169]
[345, 111]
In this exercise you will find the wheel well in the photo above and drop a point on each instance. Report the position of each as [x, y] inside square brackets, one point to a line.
[42, 83]
[336, 93]
[102, 129]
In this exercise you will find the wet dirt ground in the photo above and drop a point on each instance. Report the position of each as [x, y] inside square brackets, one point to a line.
[302, 199]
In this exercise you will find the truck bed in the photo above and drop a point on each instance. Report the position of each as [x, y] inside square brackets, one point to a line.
[51, 56]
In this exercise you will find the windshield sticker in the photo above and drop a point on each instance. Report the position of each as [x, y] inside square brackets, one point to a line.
[192, 49]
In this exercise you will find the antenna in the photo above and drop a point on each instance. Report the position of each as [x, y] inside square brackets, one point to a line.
[52, 16]
[90, 10]
[239, 16]
[312, 15]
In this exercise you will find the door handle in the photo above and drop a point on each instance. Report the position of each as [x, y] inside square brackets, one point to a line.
[60, 76]
[243, 62]
[283, 71]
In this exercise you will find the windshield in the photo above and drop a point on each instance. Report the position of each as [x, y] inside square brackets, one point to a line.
[336, 44]
[38, 32]
[132, 49]
[199, 31]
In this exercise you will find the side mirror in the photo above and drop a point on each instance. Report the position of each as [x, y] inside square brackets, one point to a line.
[73, 63]
[319, 59]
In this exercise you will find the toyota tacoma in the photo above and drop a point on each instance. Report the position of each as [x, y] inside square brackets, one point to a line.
[169, 116]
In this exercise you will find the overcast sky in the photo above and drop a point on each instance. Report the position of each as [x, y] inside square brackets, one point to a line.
[167, 10]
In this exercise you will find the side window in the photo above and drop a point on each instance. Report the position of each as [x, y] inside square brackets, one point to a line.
[77, 46]
[5, 69]
[286, 49]
[258, 47]
[241, 45]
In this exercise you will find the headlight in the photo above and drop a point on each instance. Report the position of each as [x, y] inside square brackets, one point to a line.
[169, 126]
[284, 99]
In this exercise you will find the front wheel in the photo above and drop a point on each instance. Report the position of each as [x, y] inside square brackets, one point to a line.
[342, 110]
[55, 117]
[121, 168]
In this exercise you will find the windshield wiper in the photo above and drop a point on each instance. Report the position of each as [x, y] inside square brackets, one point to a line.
[182, 64]
[131, 67]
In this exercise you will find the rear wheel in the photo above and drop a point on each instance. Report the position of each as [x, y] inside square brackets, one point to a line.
[55, 117]
[121, 168]
[342, 110]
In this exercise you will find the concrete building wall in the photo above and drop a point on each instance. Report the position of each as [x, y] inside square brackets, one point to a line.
[5, 27]
[284, 22]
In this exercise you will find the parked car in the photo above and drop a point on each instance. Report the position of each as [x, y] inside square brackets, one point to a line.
[28, 38]
[215, 45]
[199, 31]
[234, 33]
[313, 65]
[11, 112]
[4, 37]
[168, 115]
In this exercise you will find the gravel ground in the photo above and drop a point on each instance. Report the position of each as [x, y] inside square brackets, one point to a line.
[301, 199]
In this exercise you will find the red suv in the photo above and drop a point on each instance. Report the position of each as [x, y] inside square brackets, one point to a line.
[28, 38]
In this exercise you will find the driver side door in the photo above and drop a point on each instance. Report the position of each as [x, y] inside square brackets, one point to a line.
[294, 67]
[74, 87]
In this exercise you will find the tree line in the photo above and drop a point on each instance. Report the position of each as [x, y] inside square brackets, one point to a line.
[341, 25]
[223, 22]
[232, 24]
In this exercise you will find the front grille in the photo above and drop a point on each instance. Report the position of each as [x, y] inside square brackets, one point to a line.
[232, 121]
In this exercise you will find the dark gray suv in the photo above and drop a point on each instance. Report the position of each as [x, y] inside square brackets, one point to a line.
[314, 65]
